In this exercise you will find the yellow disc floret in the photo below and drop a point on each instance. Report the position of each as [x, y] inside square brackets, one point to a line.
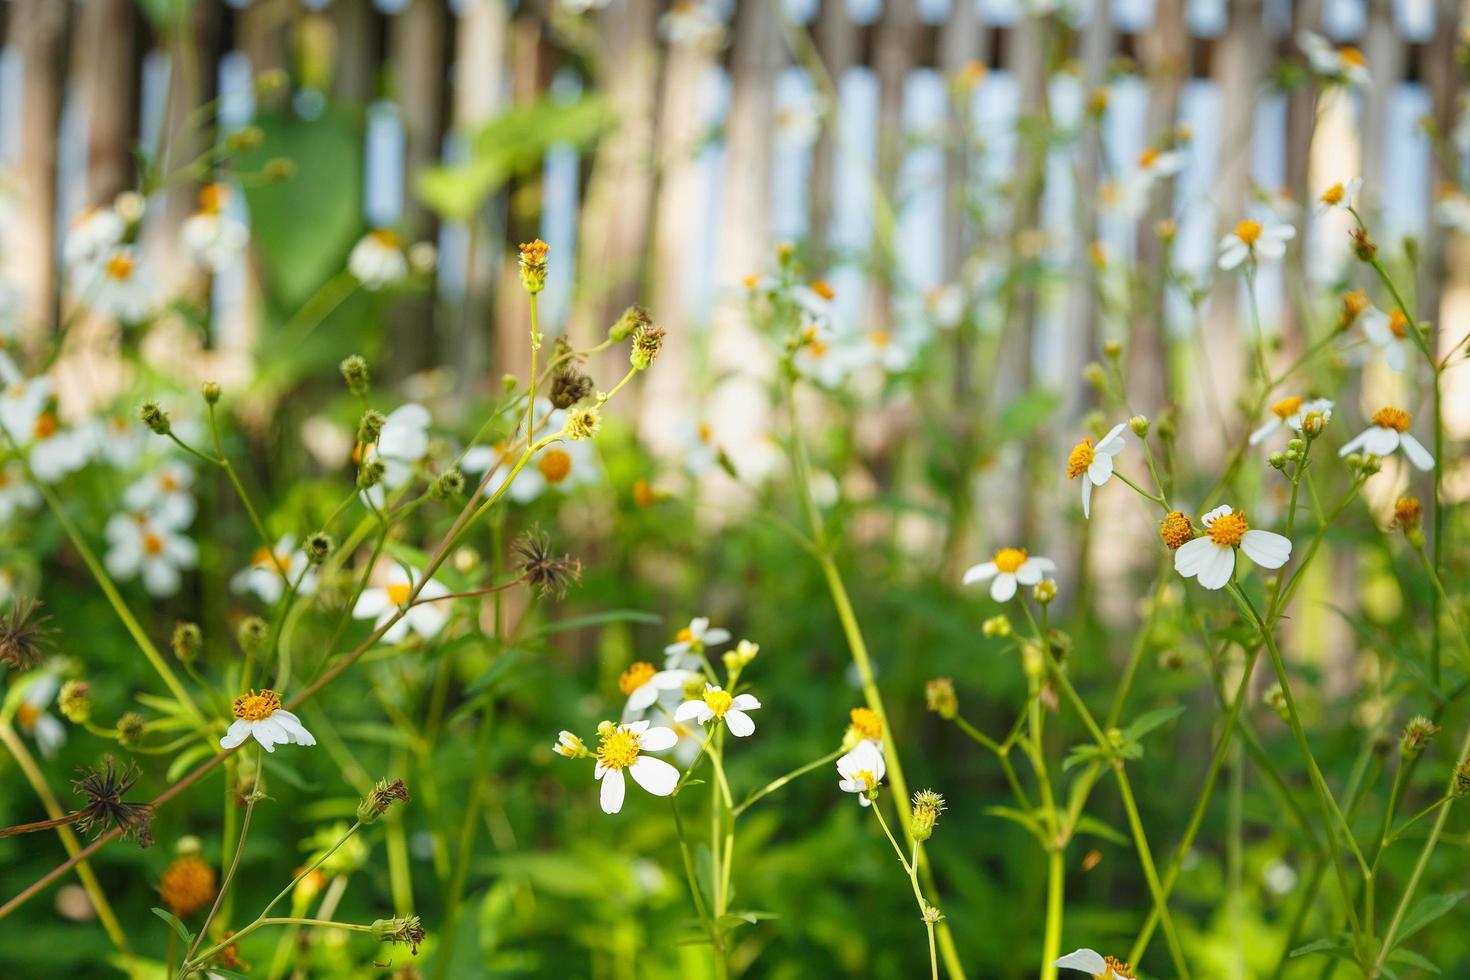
[399, 592]
[1117, 969]
[1393, 418]
[618, 748]
[1228, 529]
[1399, 324]
[866, 723]
[1287, 407]
[718, 701]
[1078, 460]
[1176, 530]
[555, 464]
[187, 884]
[1010, 559]
[636, 676]
[1333, 195]
[1248, 231]
[254, 707]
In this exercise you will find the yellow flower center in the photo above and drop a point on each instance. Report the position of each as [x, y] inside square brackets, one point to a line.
[879, 338]
[27, 715]
[46, 425]
[1352, 56]
[685, 635]
[1176, 530]
[705, 433]
[1078, 461]
[866, 723]
[1334, 195]
[212, 198]
[152, 545]
[555, 464]
[120, 266]
[1228, 529]
[1248, 231]
[1393, 418]
[618, 749]
[1117, 969]
[398, 593]
[266, 558]
[1148, 156]
[1010, 559]
[816, 348]
[866, 777]
[718, 702]
[385, 237]
[167, 483]
[1287, 407]
[254, 707]
[636, 676]
[823, 289]
[187, 884]
[1399, 324]
[1354, 303]
[751, 281]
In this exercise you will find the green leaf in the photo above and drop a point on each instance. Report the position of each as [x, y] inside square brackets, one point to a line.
[498, 668]
[1150, 720]
[1428, 909]
[1095, 827]
[1081, 755]
[1328, 947]
[1413, 959]
[178, 927]
[598, 619]
[186, 759]
[1018, 817]
[731, 919]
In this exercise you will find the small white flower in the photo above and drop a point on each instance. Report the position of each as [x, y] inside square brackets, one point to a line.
[165, 494]
[378, 260]
[403, 441]
[861, 770]
[272, 568]
[1345, 65]
[701, 453]
[621, 750]
[16, 495]
[1338, 197]
[123, 288]
[1452, 210]
[1009, 568]
[1290, 412]
[211, 235]
[717, 703]
[33, 718]
[1100, 967]
[642, 684]
[122, 440]
[22, 400]
[382, 603]
[1390, 431]
[1095, 463]
[140, 545]
[946, 305]
[260, 716]
[55, 451]
[93, 236]
[1257, 240]
[690, 644]
[1210, 559]
[891, 351]
[1389, 332]
[695, 23]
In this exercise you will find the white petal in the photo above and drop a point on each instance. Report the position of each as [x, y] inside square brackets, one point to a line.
[1266, 548]
[1087, 499]
[263, 735]
[657, 739]
[688, 710]
[1100, 470]
[1265, 430]
[1353, 444]
[1192, 556]
[642, 697]
[613, 789]
[1113, 442]
[1086, 960]
[739, 723]
[1393, 355]
[1003, 587]
[1215, 515]
[239, 732]
[1380, 440]
[717, 635]
[982, 572]
[370, 604]
[1217, 572]
[1416, 452]
[654, 775]
[745, 702]
[293, 727]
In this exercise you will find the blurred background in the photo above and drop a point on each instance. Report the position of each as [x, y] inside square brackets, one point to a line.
[977, 186]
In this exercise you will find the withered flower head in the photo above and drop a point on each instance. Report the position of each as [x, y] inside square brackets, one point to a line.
[569, 387]
[380, 798]
[407, 931]
[25, 636]
[104, 787]
[647, 342]
[548, 573]
[533, 265]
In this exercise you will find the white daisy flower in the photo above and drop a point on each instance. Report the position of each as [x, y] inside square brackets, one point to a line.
[823, 361]
[403, 441]
[1389, 332]
[1009, 568]
[1095, 463]
[1210, 559]
[891, 351]
[1390, 431]
[22, 400]
[378, 260]
[717, 703]
[381, 603]
[701, 454]
[1452, 210]
[165, 494]
[861, 770]
[54, 451]
[621, 750]
[1099, 966]
[946, 305]
[93, 236]
[799, 123]
[272, 568]
[213, 237]
[123, 440]
[642, 683]
[1290, 412]
[34, 720]
[1255, 240]
[691, 642]
[123, 288]
[1345, 65]
[260, 716]
[1338, 197]
[16, 495]
[138, 545]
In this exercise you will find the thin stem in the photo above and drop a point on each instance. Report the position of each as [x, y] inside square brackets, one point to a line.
[780, 781]
[224, 886]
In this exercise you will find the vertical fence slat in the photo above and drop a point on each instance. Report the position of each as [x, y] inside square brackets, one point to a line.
[38, 30]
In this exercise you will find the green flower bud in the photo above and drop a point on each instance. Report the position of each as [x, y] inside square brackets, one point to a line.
[355, 373]
[154, 418]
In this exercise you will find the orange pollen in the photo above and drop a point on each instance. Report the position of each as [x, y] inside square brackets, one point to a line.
[1399, 324]
[152, 544]
[398, 593]
[27, 715]
[1352, 56]
[46, 425]
[1353, 304]
[1248, 231]
[1393, 418]
[1117, 968]
[866, 723]
[120, 266]
[1078, 460]
[823, 289]
[1228, 529]
[187, 884]
[1148, 156]
[685, 635]
[1406, 511]
[816, 347]
[1010, 559]
[1287, 407]
[718, 701]
[167, 483]
[1334, 195]
[212, 198]
[385, 237]
[636, 676]
[555, 464]
[254, 707]
[619, 749]
[1176, 530]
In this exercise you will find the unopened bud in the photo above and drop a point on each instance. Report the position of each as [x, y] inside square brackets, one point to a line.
[1095, 375]
[448, 484]
[355, 373]
[131, 728]
[278, 170]
[245, 140]
[940, 698]
[188, 641]
[75, 702]
[211, 392]
[251, 634]
[1045, 591]
[155, 418]
[1139, 425]
[927, 806]
[996, 626]
[1112, 349]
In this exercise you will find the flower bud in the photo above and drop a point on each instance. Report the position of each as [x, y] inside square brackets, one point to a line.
[1363, 246]
[1032, 663]
[1112, 350]
[931, 913]
[245, 140]
[1275, 699]
[380, 798]
[570, 745]
[355, 373]
[1418, 733]
[129, 206]
[188, 640]
[1176, 530]
[996, 626]
[647, 342]
[1045, 591]
[1095, 375]
[582, 423]
[75, 702]
[406, 931]
[155, 418]
[864, 725]
[1278, 460]
[533, 265]
[370, 426]
[633, 317]
[211, 392]
[251, 634]
[1406, 514]
[278, 170]
[1295, 446]
[1139, 425]
[1460, 788]
[448, 484]
[940, 698]
[927, 806]
[130, 730]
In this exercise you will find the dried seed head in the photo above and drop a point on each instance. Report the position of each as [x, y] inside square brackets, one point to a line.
[131, 728]
[569, 387]
[25, 634]
[647, 342]
[1418, 733]
[927, 806]
[104, 788]
[251, 634]
[406, 931]
[380, 798]
[448, 484]
[550, 574]
[319, 547]
[582, 423]
[355, 373]
[633, 318]
[155, 418]
[188, 640]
